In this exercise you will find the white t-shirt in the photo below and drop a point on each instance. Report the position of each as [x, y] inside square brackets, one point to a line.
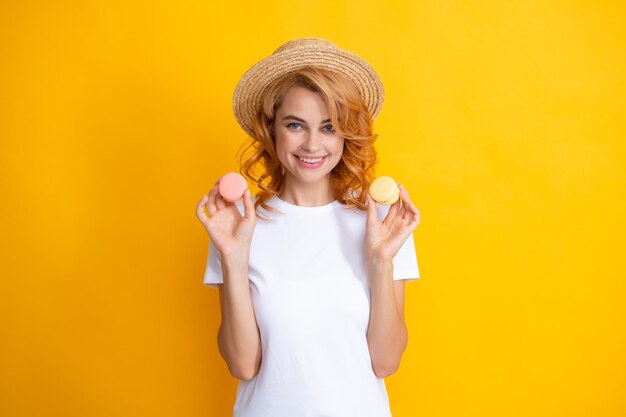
[311, 300]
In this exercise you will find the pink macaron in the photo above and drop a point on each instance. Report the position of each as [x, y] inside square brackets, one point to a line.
[232, 186]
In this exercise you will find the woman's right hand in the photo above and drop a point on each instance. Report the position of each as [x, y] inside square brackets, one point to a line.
[228, 230]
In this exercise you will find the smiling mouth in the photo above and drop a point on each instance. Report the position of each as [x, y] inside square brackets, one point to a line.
[310, 160]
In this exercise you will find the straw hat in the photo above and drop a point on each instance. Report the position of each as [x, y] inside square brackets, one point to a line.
[294, 55]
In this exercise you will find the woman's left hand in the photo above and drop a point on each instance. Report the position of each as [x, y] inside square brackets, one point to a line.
[384, 239]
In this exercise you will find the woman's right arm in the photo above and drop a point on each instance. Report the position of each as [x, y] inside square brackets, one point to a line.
[238, 337]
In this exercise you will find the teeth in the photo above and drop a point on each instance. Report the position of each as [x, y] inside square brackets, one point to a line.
[311, 161]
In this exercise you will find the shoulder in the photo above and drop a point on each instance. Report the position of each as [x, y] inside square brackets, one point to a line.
[381, 211]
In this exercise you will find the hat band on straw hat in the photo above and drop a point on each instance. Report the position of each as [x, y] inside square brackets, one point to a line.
[297, 54]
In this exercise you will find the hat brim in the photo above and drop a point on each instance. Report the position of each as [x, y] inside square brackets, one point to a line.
[249, 91]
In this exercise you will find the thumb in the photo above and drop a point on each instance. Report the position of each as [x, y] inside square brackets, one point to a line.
[371, 209]
[250, 213]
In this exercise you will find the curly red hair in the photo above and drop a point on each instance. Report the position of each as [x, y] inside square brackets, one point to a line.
[350, 118]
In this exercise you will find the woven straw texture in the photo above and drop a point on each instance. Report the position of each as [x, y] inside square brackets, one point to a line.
[294, 55]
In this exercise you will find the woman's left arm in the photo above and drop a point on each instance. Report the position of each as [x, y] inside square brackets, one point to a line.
[387, 334]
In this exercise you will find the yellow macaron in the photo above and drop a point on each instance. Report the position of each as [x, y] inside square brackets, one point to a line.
[384, 190]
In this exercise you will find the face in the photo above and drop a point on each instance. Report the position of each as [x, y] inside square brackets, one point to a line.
[306, 142]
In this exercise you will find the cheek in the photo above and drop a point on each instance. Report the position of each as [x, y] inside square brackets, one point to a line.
[338, 148]
[280, 144]
[282, 149]
[284, 141]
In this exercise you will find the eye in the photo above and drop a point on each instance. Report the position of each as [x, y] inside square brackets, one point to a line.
[293, 124]
[331, 128]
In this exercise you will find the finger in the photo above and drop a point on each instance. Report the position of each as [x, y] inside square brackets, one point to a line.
[411, 213]
[402, 211]
[407, 201]
[371, 209]
[200, 209]
[221, 199]
[210, 204]
[219, 202]
[415, 219]
[248, 205]
[393, 212]
[213, 200]
[404, 194]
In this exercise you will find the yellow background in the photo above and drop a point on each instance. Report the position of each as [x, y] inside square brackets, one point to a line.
[504, 119]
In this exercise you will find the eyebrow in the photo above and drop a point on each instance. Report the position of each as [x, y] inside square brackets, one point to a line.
[291, 116]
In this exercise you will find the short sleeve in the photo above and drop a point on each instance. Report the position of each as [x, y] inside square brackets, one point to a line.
[405, 262]
[213, 272]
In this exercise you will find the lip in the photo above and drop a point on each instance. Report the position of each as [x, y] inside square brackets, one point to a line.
[311, 157]
[307, 165]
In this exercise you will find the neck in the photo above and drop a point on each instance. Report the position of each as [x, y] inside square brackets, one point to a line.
[307, 194]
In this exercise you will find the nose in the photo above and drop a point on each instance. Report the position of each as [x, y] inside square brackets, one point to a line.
[312, 142]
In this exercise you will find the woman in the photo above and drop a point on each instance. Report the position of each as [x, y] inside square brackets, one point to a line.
[312, 286]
